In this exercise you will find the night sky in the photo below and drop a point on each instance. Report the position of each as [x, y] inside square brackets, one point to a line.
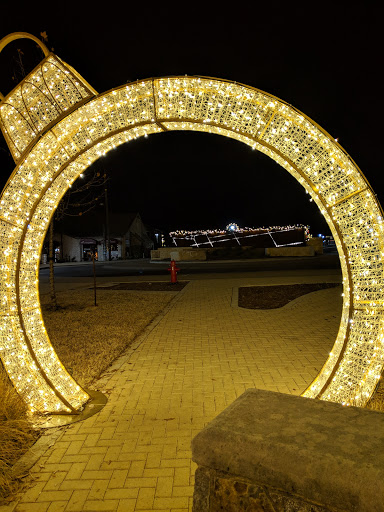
[324, 59]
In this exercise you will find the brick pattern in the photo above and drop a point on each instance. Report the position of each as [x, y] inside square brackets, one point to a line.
[135, 454]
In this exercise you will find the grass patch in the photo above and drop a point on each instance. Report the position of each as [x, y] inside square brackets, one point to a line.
[89, 338]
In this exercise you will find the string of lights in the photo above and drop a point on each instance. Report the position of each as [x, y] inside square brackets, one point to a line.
[56, 126]
[242, 236]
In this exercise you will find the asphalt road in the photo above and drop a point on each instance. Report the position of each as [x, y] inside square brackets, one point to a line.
[145, 267]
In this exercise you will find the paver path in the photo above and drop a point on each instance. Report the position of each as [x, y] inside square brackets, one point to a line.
[204, 352]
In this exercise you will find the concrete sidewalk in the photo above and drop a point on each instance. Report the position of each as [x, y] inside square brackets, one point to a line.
[202, 354]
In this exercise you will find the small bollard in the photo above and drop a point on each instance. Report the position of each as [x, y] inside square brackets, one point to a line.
[173, 269]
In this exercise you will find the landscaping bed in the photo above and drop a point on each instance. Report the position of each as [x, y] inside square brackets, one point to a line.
[272, 297]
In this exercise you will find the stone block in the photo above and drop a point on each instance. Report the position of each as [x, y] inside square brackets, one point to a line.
[274, 450]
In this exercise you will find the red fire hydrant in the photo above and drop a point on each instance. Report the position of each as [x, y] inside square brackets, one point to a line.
[173, 269]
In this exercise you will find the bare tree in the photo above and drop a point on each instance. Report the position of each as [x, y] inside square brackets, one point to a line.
[86, 193]
[83, 196]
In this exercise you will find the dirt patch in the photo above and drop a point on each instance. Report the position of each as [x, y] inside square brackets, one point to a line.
[272, 297]
[154, 286]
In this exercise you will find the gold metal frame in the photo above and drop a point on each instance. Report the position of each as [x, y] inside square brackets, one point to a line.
[88, 125]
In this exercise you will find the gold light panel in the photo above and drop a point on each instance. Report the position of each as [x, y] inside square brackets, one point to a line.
[53, 152]
[45, 95]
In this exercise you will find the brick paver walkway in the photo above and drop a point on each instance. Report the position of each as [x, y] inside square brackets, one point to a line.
[203, 353]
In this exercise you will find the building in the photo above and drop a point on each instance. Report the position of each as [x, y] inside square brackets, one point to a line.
[124, 236]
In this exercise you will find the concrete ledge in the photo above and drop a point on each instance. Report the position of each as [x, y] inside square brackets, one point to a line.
[179, 254]
[317, 244]
[302, 250]
[315, 451]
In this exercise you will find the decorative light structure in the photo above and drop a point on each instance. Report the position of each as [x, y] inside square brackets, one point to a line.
[242, 236]
[56, 125]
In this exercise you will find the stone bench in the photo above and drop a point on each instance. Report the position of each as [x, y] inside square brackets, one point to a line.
[274, 452]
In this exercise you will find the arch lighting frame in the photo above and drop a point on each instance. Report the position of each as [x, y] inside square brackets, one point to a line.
[56, 125]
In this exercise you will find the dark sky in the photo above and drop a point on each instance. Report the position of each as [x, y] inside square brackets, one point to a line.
[325, 59]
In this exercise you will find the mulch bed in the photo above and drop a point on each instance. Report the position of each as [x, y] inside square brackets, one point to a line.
[154, 286]
[272, 297]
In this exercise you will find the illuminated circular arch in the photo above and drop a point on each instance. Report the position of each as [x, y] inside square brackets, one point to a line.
[52, 147]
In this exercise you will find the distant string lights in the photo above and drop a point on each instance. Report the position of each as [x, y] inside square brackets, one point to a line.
[242, 236]
[56, 126]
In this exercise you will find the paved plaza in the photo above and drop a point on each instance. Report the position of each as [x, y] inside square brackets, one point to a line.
[195, 359]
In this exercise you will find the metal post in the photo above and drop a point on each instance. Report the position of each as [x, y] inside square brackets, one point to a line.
[108, 241]
[94, 276]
